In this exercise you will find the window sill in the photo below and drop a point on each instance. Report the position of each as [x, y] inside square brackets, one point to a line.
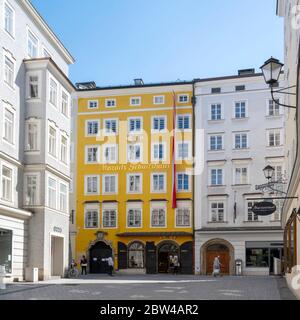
[241, 185]
[274, 117]
[216, 151]
[240, 119]
[217, 222]
[253, 221]
[216, 121]
[217, 186]
[241, 149]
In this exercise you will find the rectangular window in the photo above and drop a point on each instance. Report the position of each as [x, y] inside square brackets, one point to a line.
[183, 122]
[183, 217]
[183, 98]
[135, 101]
[110, 184]
[52, 141]
[31, 190]
[53, 92]
[159, 100]
[110, 126]
[134, 218]
[93, 104]
[32, 137]
[9, 71]
[63, 197]
[183, 150]
[158, 151]
[216, 177]
[64, 149]
[93, 127]
[109, 218]
[183, 182]
[274, 108]
[135, 125]
[134, 183]
[251, 216]
[110, 103]
[92, 184]
[6, 184]
[110, 153]
[52, 193]
[91, 219]
[216, 112]
[8, 126]
[241, 175]
[158, 182]
[9, 19]
[216, 143]
[158, 217]
[274, 137]
[134, 152]
[240, 110]
[92, 154]
[240, 141]
[217, 211]
[215, 90]
[64, 104]
[33, 86]
[240, 88]
[32, 45]
[159, 123]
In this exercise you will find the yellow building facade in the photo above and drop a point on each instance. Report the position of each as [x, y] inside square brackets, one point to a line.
[124, 177]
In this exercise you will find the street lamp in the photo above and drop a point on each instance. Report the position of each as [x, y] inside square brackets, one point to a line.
[269, 172]
[271, 71]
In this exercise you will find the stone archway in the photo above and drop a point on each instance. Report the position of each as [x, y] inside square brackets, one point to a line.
[217, 247]
[164, 250]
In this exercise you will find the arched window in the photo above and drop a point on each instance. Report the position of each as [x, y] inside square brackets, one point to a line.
[136, 255]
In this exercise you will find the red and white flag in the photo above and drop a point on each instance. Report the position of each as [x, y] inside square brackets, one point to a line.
[174, 194]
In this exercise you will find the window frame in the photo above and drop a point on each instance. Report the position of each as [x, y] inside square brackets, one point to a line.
[86, 192]
[159, 103]
[133, 104]
[135, 132]
[92, 101]
[135, 144]
[12, 182]
[269, 131]
[164, 144]
[246, 109]
[109, 207]
[164, 174]
[37, 123]
[134, 206]
[87, 134]
[53, 103]
[110, 100]
[179, 96]
[29, 31]
[159, 117]
[210, 177]
[189, 116]
[107, 134]
[52, 126]
[10, 109]
[25, 193]
[177, 184]
[104, 147]
[240, 133]
[98, 154]
[183, 205]
[13, 31]
[189, 156]
[128, 183]
[159, 206]
[92, 208]
[217, 201]
[216, 136]
[216, 104]
[12, 70]
[116, 176]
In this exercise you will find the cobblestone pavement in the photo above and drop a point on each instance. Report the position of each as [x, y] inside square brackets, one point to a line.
[152, 287]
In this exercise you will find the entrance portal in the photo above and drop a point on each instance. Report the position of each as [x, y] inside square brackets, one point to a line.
[57, 256]
[98, 252]
[164, 253]
[217, 250]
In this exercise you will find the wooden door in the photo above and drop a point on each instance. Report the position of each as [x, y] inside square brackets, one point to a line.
[150, 258]
[186, 258]
[224, 259]
[122, 256]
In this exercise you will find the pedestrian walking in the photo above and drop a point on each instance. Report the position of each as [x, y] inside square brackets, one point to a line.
[176, 264]
[83, 264]
[217, 266]
[110, 263]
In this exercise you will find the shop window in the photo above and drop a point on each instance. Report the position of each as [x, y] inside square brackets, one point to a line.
[6, 250]
[257, 257]
[136, 255]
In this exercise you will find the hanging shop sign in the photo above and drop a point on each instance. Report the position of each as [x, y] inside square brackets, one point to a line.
[264, 208]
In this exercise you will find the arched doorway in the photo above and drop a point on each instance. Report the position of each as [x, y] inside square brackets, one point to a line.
[136, 255]
[100, 250]
[215, 248]
[164, 251]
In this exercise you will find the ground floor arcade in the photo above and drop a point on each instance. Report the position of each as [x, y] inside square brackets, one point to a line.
[139, 252]
[254, 250]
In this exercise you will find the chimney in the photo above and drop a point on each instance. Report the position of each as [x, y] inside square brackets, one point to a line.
[245, 72]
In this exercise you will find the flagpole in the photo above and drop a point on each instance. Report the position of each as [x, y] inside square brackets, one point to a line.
[174, 193]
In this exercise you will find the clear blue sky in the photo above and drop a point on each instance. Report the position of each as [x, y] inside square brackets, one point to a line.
[115, 41]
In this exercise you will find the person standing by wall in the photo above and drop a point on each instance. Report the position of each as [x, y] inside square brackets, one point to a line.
[176, 264]
[83, 264]
[217, 267]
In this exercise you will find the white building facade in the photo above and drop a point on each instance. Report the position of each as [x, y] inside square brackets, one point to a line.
[35, 108]
[238, 132]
